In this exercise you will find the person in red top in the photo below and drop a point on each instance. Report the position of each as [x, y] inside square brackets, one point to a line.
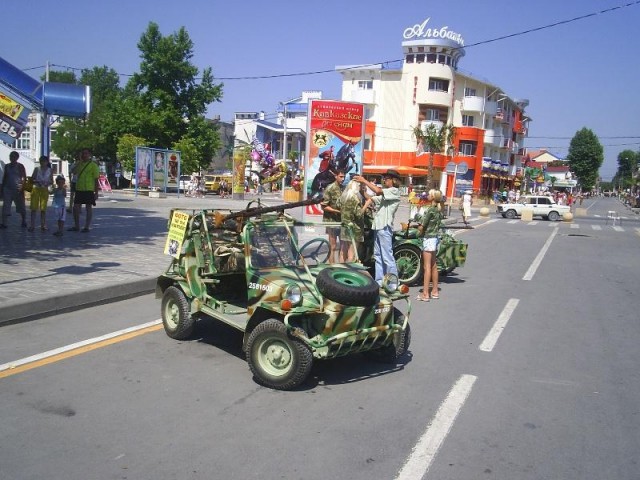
[328, 160]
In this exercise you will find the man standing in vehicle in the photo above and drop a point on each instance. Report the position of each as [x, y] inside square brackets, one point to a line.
[386, 202]
[331, 212]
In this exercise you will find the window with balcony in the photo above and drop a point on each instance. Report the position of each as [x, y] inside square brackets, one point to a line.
[420, 58]
[468, 120]
[438, 85]
[365, 85]
[442, 59]
[431, 58]
[470, 92]
[467, 148]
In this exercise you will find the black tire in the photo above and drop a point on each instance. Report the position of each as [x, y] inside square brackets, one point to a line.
[348, 287]
[409, 262]
[553, 216]
[510, 214]
[399, 347]
[277, 359]
[176, 317]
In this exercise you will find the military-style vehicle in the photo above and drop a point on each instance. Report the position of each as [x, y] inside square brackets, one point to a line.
[269, 275]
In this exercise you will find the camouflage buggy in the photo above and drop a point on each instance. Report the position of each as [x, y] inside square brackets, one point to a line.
[267, 274]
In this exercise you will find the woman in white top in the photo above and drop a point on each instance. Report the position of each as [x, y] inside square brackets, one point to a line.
[42, 180]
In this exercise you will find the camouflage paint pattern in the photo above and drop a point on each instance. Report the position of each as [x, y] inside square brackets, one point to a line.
[272, 263]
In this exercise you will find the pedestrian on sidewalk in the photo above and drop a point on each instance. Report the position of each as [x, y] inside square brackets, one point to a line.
[59, 200]
[429, 229]
[467, 201]
[42, 180]
[72, 186]
[86, 190]
[386, 201]
[12, 187]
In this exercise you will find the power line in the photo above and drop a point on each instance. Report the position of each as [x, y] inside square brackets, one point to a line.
[483, 42]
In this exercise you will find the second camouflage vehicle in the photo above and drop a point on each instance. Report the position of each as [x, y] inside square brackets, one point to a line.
[268, 275]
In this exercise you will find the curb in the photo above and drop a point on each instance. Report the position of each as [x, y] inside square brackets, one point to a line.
[21, 311]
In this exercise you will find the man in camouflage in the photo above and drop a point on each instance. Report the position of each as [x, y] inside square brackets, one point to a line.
[331, 211]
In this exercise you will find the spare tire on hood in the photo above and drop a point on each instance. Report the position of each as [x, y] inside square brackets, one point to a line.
[348, 286]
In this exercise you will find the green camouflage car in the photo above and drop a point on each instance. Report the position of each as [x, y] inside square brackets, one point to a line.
[268, 275]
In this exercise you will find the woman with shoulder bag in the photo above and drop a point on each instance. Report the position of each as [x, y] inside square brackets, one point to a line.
[429, 231]
[42, 180]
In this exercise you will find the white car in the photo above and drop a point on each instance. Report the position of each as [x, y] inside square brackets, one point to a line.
[542, 206]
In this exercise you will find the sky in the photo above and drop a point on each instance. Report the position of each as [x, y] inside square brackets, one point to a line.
[579, 73]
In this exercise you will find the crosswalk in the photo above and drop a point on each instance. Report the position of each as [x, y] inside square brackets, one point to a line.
[575, 226]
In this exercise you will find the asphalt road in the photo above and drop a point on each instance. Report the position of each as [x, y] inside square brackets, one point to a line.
[526, 368]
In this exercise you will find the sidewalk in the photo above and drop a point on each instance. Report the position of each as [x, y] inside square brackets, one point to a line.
[41, 274]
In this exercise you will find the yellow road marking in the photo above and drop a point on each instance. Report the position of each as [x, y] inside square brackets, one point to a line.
[77, 351]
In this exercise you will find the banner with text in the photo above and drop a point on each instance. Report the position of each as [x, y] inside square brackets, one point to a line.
[335, 133]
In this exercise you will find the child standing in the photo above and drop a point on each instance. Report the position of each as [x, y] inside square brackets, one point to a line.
[59, 198]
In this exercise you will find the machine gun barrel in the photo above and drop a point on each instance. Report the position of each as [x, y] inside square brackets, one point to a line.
[255, 211]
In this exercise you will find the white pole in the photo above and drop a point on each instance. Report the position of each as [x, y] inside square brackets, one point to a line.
[284, 144]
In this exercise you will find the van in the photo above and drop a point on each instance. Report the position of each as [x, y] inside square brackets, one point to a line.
[212, 182]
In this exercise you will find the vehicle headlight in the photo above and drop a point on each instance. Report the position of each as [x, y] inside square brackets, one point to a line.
[293, 294]
[390, 282]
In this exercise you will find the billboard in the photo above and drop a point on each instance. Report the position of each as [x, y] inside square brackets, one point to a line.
[13, 119]
[335, 133]
[157, 168]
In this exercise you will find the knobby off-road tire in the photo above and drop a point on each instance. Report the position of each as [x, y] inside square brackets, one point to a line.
[277, 359]
[176, 317]
[348, 287]
[399, 347]
[409, 262]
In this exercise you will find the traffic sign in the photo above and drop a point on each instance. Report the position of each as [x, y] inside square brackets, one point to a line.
[459, 168]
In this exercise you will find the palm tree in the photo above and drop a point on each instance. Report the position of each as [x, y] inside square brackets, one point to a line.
[434, 139]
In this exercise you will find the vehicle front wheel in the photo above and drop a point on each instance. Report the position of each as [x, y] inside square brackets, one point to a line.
[553, 216]
[276, 358]
[176, 316]
[510, 214]
[409, 262]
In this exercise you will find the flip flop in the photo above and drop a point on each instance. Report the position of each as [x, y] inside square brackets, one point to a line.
[435, 297]
[420, 298]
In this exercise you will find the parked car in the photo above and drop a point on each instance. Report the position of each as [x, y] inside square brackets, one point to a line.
[212, 182]
[183, 183]
[542, 206]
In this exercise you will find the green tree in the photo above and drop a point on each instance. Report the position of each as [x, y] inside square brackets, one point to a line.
[74, 134]
[585, 157]
[126, 150]
[434, 140]
[188, 155]
[627, 162]
[170, 102]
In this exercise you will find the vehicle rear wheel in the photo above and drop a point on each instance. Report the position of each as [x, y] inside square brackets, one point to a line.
[276, 358]
[510, 214]
[348, 287]
[409, 262]
[553, 216]
[401, 341]
[176, 316]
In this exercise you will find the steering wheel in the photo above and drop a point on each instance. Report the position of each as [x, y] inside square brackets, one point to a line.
[312, 251]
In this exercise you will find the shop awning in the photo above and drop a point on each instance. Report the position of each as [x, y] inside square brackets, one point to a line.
[403, 171]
